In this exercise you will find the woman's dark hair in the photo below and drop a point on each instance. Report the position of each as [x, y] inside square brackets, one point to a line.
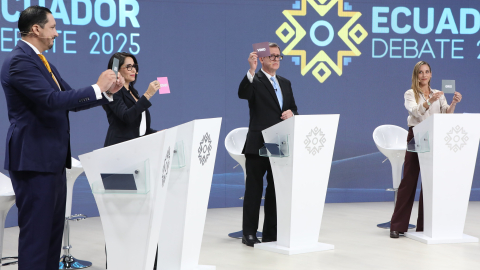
[31, 16]
[121, 59]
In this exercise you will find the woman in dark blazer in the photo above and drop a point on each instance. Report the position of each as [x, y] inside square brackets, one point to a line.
[128, 114]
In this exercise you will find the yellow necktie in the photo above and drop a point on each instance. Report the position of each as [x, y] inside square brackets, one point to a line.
[45, 62]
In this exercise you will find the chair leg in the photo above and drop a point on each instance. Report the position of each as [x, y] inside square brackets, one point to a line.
[67, 261]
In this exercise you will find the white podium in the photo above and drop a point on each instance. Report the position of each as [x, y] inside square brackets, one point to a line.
[447, 146]
[301, 168]
[131, 218]
[188, 192]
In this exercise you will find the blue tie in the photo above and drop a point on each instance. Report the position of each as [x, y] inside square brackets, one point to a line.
[279, 93]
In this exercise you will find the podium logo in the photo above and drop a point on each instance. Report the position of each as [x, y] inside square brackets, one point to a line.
[321, 65]
[315, 141]
[204, 148]
[456, 138]
[166, 164]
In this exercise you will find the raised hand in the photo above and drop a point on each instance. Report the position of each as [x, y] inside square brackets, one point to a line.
[152, 89]
[253, 61]
[435, 96]
[106, 79]
[117, 85]
[457, 97]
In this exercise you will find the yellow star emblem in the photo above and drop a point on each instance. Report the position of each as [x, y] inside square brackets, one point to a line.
[322, 59]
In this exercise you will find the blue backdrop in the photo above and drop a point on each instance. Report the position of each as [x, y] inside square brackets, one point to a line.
[352, 58]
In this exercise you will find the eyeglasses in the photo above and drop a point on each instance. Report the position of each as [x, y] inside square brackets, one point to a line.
[129, 67]
[273, 57]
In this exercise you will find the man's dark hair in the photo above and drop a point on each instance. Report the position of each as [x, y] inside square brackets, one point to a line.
[31, 16]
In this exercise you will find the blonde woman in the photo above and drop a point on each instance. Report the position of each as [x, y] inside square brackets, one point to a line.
[421, 101]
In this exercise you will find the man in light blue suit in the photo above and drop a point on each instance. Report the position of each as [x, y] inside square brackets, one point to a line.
[38, 139]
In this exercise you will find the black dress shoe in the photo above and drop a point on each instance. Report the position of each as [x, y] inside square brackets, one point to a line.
[250, 240]
[394, 234]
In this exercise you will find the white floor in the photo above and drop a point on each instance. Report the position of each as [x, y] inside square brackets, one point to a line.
[351, 227]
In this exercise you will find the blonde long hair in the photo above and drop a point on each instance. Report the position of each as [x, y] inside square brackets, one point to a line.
[415, 82]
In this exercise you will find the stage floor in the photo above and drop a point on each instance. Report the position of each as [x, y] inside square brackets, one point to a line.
[351, 227]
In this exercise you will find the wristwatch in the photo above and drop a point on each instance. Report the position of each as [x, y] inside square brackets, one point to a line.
[428, 103]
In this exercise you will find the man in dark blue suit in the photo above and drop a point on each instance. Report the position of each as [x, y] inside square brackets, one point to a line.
[38, 140]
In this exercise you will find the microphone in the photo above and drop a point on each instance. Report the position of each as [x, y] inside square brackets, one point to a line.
[26, 33]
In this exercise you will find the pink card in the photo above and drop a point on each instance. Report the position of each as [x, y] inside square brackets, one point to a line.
[164, 88]
[262, 49]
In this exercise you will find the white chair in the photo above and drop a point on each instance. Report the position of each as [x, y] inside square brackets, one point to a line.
[7, 199]
[68, 261]
[392, 142]
[234, 142]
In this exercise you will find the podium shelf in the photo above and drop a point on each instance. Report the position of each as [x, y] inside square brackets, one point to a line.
[178, 159]
[279, 148]
[131, 180]
[421, 145]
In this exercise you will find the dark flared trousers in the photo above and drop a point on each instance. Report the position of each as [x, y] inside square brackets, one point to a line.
[256, 166]
[41, 201]
[406, 193]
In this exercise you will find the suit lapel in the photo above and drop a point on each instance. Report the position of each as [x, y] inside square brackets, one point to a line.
[263, 78]
[128, 95]
[28, 50]
[45, 72]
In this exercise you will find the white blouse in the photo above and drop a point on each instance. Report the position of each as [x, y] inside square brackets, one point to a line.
[417, 113]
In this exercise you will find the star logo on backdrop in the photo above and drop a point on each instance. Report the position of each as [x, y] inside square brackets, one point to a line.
[315, 141]
[204, 148]
[321, 63]
[166, 164]
[456, 138]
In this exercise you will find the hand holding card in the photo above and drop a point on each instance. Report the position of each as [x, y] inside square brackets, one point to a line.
[262, 49]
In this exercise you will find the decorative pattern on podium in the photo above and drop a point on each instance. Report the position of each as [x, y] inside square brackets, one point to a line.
[204, 148]
[301, 181]
[188, 189]
[166, 164]
[444, 219]
[456, 138]
[315, 141]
